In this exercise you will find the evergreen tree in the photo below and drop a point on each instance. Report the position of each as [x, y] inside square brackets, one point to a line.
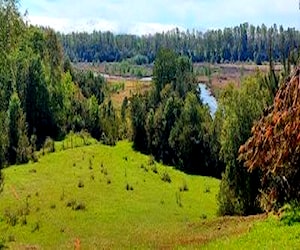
[17, 130]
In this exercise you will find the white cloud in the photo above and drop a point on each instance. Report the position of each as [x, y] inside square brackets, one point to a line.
[144, 16]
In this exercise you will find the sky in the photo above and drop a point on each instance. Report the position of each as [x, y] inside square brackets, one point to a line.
[149, 16]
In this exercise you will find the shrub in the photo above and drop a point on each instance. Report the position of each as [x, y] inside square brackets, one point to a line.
[76, 205]
[48, 146]
[166, 177]
[178, 199]
[52, 206]
[129, 187]
[184, 187]
[80, 184]
[151, 160]
[207, 189]
[2, 243]
[203, 216]
[154, 169]
[90, 164]
[10, 217]
[291, 213]
[36, 227]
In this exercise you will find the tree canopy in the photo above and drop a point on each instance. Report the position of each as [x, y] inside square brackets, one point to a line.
[244, 42]
[274, 146]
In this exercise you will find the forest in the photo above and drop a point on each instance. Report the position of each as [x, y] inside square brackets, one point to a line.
[252, 144]
[242, 43]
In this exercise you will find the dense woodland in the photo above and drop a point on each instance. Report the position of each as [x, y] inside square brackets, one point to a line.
[241, 43]
[43, 98]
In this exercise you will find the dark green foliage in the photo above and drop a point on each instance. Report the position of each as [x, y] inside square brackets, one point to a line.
[166, 177]
[76, 205]
[109, 123]
[138, 118]
[39, 116]
[244, 42]
[18, 149]
[90, 84]
[129, 187]
[170, 122]
[3, 138]
[239, 189]
[164, 69]
[290, 213]
[48, 146]
[80, 184]
[189, 137]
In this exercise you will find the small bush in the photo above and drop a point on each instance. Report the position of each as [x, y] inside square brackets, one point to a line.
[80, 184]
[290, 213]
[11, 238]
[184, 187]
[154, 169]
[62, 196]
[166, 177]
[207, 189]
[48, 146]
[151, 160]
[33, 171]
[36, 227]
[108, 181]
[52, 206]
[23, 221]
[10, 217]
[2, 243]
[203, 216]
[34, 157]
[76, 205]
[79, 206]
[129, 187]
[144, 167]
[178, 199]
[104, 171]
[90, 164]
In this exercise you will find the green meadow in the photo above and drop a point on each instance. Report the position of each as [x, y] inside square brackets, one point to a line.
[98, 196]
[101, 197]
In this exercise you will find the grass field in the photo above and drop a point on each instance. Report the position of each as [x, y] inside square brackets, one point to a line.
[100, 197]
[267, 234]
[103, 197]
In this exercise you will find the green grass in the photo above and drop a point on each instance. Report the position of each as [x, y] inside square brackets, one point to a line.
[104, 197]
[267, 234]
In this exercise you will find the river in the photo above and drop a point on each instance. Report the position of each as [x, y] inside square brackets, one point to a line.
[208, 98]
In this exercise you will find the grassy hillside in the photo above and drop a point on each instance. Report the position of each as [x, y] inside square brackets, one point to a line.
[103, 197]
[267, 234]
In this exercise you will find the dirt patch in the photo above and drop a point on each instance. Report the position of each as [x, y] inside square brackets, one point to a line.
[129, 87]
[223, 74]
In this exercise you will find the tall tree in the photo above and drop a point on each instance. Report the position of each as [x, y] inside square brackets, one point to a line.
[18, 140]
[239, 108]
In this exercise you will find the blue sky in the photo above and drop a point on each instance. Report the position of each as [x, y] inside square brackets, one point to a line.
[149, 16]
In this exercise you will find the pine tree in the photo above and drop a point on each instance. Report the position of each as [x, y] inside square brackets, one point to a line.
[18, 147]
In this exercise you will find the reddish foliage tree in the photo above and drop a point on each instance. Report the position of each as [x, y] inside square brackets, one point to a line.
[274, 147]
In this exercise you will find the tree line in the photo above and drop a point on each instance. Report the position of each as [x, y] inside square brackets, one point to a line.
[41, 94]
[245, 42]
